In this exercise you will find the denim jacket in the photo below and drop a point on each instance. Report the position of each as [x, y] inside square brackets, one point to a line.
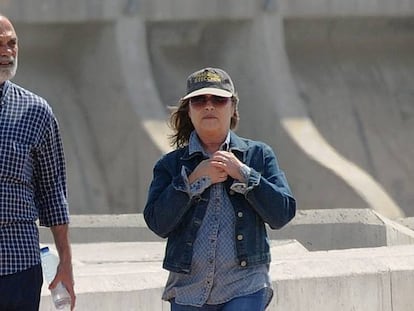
[171, 213]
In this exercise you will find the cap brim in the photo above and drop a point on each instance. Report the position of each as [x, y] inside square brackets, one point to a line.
[209, 91]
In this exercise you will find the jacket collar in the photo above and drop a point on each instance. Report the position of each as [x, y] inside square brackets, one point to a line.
[236, 143]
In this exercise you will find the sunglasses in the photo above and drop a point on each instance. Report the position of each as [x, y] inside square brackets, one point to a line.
[200, 101]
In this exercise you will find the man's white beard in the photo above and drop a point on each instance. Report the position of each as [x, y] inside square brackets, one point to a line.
[8, 73]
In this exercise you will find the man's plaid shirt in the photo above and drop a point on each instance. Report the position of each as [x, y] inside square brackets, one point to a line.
[32, 176]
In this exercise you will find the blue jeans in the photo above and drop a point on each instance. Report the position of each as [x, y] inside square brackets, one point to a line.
[252, 302]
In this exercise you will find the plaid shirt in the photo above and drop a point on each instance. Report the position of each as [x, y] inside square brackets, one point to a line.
[215, 276]
[32, 176]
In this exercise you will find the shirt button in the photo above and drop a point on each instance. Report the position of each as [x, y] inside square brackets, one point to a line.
[240, 214]
[243, 263]
[240, 237]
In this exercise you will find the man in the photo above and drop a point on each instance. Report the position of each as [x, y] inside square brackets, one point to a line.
[32, 186]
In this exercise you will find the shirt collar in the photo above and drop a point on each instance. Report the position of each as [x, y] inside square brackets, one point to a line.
[195, 145]
[226, 144]
[3, 89]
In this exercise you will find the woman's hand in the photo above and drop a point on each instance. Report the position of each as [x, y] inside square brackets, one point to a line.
[209, 168]
[227, 162]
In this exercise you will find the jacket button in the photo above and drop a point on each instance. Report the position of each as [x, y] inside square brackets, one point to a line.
[240, 237]
[240, 214]
[243, 263]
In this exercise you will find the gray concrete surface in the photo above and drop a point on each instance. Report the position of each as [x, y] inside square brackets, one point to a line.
[355, 79]
[407, 222]
[314, 229]
[301, 90]
[323, 260]
[128, 276]
[338, 8]
[327, 83]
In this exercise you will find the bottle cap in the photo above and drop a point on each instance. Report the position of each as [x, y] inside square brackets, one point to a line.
[44, 249]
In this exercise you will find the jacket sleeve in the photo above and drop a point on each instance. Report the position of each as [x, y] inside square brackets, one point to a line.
[168, 200]
[268, 191]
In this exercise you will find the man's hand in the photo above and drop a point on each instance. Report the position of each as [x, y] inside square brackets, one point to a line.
[64, 271]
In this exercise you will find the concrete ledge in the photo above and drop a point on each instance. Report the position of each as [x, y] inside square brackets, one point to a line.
[407, 222]
[129, 276]
[363, 279]
[105, 228]
[314, 229]
[318, 8]
[377, 279]
[147, 253]
[327, 229]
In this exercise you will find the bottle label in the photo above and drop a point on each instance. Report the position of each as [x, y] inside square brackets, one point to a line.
[50, 262]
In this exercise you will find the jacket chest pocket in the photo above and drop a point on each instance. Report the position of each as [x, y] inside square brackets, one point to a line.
[15, 161]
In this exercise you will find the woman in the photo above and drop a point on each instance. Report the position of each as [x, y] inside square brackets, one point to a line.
[211, 198]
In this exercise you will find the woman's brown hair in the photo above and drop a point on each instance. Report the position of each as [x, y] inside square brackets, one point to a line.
[182, 126]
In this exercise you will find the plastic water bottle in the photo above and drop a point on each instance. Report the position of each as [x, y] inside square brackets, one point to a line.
[60, 295]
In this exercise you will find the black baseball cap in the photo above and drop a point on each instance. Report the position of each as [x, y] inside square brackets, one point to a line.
[213, 81]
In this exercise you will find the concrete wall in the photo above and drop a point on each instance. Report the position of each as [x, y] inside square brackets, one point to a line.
[325, 82]
[355, 79]
[338, 8]
[110, 69]
[323, 260]
[119, 276]
[374, 272]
